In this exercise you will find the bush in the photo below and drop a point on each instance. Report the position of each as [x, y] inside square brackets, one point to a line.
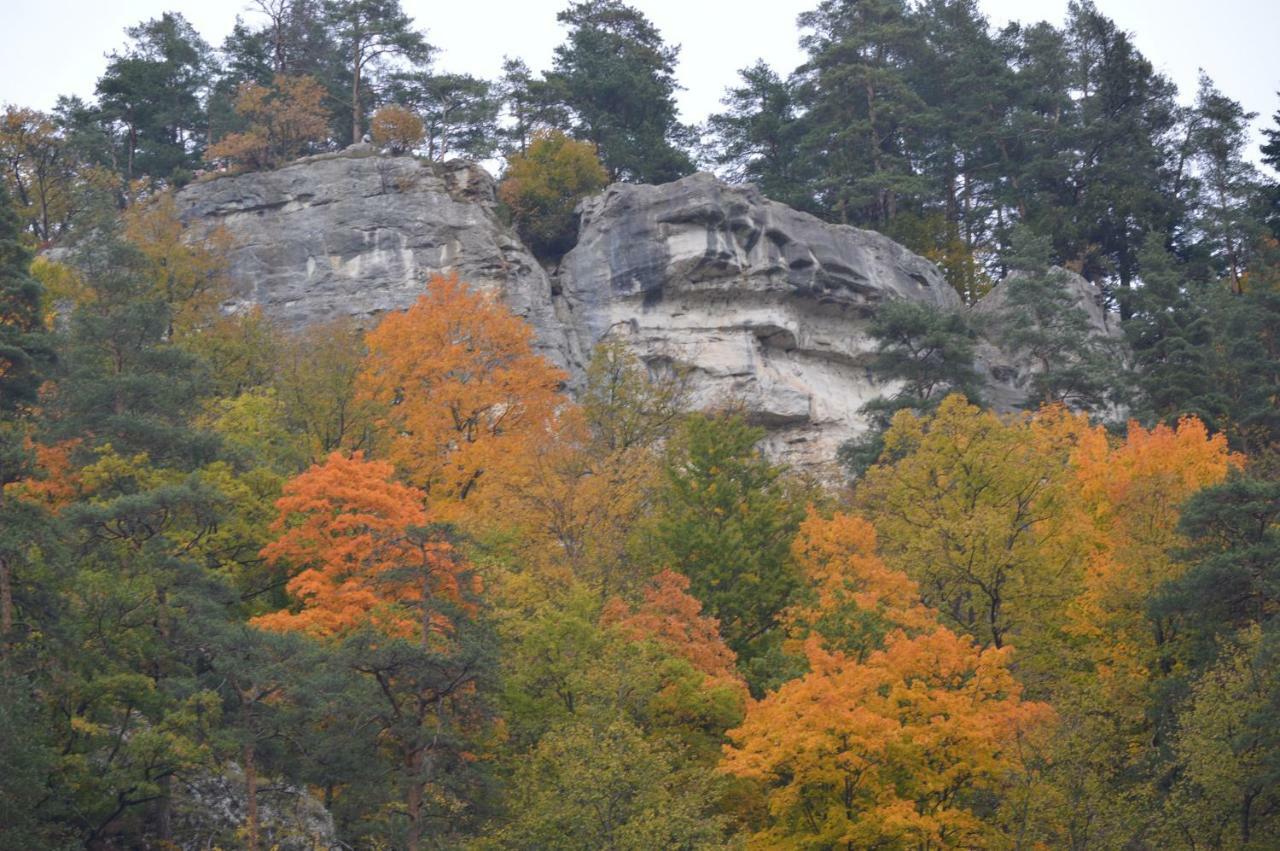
[397, 129]
[544, 184]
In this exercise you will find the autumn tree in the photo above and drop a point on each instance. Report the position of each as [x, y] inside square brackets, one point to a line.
[462, 395]
[397, 129]
[543, 185]
[970, 505]
[40, 171]
[900, 732]
[282, 121]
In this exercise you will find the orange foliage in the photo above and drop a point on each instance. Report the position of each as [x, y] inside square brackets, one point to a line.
[349, 531]
[898, 722]
[463, 398]
[837, 559]
[1132, 494]
[673, 617]
[885, 752]
[57, 483]
[284, 120]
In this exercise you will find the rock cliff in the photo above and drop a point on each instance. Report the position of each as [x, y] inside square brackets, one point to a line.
[766, 307]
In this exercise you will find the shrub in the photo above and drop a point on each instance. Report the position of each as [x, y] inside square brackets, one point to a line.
[397, 129]
[544, 184]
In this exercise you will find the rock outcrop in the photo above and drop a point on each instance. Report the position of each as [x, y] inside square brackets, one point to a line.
[357, 233]
[764, 306]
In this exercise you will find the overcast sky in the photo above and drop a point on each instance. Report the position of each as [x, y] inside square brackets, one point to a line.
[52, 47]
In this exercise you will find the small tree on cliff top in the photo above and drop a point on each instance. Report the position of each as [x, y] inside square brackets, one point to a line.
[543, 185]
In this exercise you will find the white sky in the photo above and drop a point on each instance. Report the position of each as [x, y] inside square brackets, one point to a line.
[52, 47]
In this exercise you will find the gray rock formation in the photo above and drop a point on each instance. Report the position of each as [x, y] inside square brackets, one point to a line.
[209, 811]
[357, 233]
[766, 307]
[1006, 375]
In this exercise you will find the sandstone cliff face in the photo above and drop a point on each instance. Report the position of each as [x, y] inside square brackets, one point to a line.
[357, 233]
[766, 307]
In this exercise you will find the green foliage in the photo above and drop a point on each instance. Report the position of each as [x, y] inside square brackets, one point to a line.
[543, 186]
[929, 353]
[25, 351]
[1042, 319]
[724, 518]
[151, 94]
[617, 77]
[459, 112]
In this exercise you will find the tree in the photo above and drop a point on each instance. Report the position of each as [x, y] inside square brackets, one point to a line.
[155, 90]
[397, 129]
[459, 112]
[724, 518]
[896, 751]
[757, 138]
[617, 76]
[1040, 316]
[40, 171]
[25, 349]
[462, 397]
[352, 538]
[928, 353]
[367, 31]
[529, 103]
[283, 121]
[973, 508]
[1227, 181]
[672, 617]
[863, 116]
[543, 186]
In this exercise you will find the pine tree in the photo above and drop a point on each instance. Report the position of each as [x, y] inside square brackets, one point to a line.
[617, 76]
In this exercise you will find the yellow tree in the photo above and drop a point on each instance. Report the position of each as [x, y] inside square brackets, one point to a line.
[971, 506]
[462, 396]
[188, 274]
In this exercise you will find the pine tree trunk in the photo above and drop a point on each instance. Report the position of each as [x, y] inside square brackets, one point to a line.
[413, 801]
[6, 599]
[250, 796]
[355, 102]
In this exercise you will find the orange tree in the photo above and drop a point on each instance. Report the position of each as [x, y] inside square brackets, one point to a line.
[396, 607]
[462, 396]
[897, 742]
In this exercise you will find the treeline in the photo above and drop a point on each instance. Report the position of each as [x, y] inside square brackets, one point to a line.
[251, 580]
[914, 118]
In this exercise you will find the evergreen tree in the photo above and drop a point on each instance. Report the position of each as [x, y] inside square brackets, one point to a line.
[865, 119]
[617, 77]
[459, 112]
[724, 519]
[757, 138]
[154, 93]
[367, 32]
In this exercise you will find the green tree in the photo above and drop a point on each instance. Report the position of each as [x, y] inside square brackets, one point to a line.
[864, 116]
[543, 186]
[154, 92]
[367, 31]
[459, 112]
[757, 138]
[617, 76]
[724, 518]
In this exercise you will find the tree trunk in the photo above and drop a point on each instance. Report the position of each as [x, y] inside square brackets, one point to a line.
[355, 101]
[413, 801]
[250, 796]
[6, 599]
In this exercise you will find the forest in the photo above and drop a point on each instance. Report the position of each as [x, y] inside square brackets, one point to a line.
[392, 585]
